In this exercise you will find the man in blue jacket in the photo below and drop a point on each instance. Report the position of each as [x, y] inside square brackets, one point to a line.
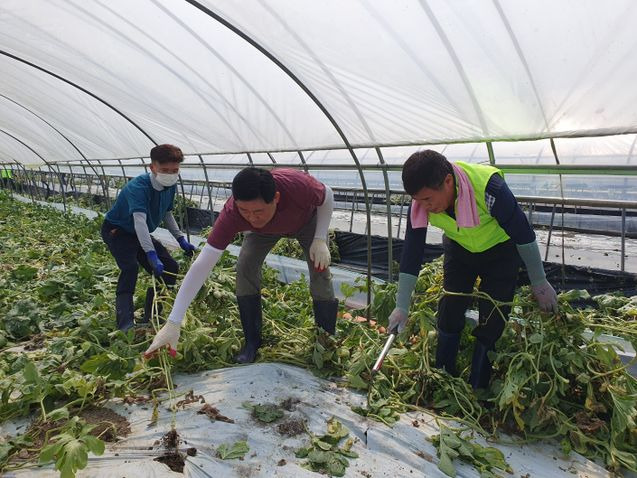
[141, 206]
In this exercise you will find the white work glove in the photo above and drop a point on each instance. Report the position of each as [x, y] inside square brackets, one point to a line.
[167, 335]
[397, 320]
[320, 254]
[545, 296]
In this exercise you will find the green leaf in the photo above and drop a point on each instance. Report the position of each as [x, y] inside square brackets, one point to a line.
[319, 456]
[323, 445]
[336, 428]
[31, 374]
[317, 358]
[446, 466]
[49, 452]
[302, 452]
[267, 413]
[565, 446]
[624, 413]
[237, 450]
[5, 449]
[24, 273]
[355, 381]
[58, 414]
[336, 468]
[94, 445]
[348, 453]
[77, 453]
[106, 364]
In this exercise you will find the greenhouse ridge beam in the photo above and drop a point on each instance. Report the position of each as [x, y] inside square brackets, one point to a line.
[594, 133]
[82, 89]
[323, 109]
[611, 170]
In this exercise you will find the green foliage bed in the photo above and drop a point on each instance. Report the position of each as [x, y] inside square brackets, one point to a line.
[552, 379]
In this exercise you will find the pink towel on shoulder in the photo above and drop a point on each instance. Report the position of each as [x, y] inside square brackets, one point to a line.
[466, 210]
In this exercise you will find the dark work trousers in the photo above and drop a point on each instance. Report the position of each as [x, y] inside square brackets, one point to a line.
[256, 246]
[498, 271]
[128, 254]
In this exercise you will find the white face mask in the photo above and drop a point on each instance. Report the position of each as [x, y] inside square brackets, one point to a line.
[167, 180]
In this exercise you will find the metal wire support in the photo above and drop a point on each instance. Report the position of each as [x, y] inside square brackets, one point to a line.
[210, 204]
[390, 249]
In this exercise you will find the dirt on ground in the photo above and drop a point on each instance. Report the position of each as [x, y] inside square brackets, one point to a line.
[291, 427]
[290, 403]
[36, 342]
[174, 461]
[170, 440]
[108, 426]
[171, 457]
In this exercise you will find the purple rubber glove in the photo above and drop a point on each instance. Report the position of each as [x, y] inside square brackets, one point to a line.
[188, 248]
[155, 263]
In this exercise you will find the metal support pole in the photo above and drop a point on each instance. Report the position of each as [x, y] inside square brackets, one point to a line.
[62, 186]
[623, 246]
[557, 161]
[303, 161]
[87, 179]
[548, 239]
[351, 218]
[210, 204]
[121, 165]
[185, 218]
[491, 155]
[400, 215]
[32, 188]
[390, 250]
[104, 183]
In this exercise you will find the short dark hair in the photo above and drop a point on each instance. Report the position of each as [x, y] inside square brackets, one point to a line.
[253, 183]
[166, 153]
[425, 169]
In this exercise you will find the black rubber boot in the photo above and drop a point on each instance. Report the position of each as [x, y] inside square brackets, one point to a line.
[325, 314]
[148, 306]
[251, 320]
[447, 352]
[124, 311]
[480, 366]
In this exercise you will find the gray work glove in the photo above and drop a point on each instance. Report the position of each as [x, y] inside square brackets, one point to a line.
[397, 320]
[545, 296]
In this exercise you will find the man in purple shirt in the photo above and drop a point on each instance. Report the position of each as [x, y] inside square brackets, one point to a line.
[266, 206]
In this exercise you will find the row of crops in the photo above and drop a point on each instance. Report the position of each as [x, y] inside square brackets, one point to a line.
[554, 378]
